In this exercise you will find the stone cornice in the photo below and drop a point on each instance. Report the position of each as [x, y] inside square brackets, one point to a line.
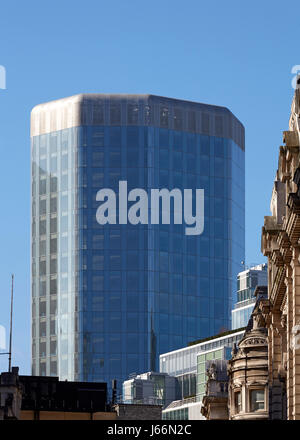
[283, 304]
[269, 234]
[278, 288]
[283, 240]
[253, 341]
[291, 140]
[259, 363]
[293, 219]
[276, 257]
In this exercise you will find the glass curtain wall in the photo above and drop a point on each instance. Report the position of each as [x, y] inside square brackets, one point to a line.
[107, 300]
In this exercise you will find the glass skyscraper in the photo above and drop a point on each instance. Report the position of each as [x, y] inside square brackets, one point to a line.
[108, 299]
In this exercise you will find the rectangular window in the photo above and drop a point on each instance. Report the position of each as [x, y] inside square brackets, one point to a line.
[53, 327]
[53, 307]
[42, 187]
[42, 267]
[53, 184]
[237, 401]
[53, 204]
[53, 225]
[53, 265]
[42, 227]
[42, 309]
[42, 288]
[257, 400]
[42, 329]
[43, 349]
[42, 207]
[53, 246]
[42, 248]
[53, 368]
[53, 286]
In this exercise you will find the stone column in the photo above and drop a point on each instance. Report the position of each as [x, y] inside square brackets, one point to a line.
[275, 392]
[289, 325]
[295, 349]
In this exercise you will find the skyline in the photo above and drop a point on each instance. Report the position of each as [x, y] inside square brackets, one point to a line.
[255, 85]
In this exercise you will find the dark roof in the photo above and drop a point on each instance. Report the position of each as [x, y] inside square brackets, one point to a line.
[210, 338]
[48, 393]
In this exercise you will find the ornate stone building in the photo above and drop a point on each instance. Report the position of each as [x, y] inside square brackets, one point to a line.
[10, 395]
[240, 391]
[248, 369]
[281, 244]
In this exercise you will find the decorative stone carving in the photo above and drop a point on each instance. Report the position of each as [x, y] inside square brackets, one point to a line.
[254, 341]
[248, 371]
[280, 244]
[212, 372]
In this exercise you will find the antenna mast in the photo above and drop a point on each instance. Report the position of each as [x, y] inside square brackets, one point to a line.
[11, 319]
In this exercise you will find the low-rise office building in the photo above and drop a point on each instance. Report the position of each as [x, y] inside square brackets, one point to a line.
[192, 406]
[182, 363]
[180, 384]
[183, 409]
[150, 388]
[188, 365]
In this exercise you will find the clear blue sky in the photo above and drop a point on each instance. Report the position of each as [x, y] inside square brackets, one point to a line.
[235, 54]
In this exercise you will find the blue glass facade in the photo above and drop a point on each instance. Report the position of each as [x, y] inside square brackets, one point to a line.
[107, 300]
[241, 315]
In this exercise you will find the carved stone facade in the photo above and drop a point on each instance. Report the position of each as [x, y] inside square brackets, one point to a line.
[281, 244]
[248, 371]
[10, 395]
[214, 403]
